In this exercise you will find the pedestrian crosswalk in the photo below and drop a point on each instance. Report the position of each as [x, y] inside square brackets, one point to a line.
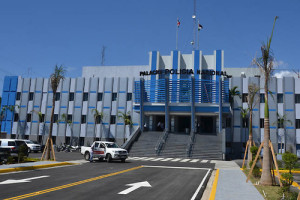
[183, 160]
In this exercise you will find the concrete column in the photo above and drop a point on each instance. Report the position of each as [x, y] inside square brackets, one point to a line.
[142, 104]
[167, 117]
[193, 130]
[172, 123]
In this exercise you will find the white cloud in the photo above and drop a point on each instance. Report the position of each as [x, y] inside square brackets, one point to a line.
[284, 73]
[280, 64]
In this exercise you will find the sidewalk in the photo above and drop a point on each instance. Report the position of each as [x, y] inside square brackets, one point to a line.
[32, 166]
[230, 183]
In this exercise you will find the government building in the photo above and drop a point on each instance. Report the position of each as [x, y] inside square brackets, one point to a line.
[178, 105]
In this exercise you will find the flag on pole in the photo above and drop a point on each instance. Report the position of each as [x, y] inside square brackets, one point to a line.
[178, 23]
[200, 27]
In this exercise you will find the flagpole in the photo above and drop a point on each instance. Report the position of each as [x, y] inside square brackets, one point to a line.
[198, 36]
[177, 35]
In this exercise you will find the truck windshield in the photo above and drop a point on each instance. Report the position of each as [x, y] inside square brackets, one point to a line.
[112, 145]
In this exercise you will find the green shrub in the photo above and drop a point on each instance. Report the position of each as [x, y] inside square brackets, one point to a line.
[254, 150]
[256, 170]
[289, 160]
[287, 179]
[22, 153]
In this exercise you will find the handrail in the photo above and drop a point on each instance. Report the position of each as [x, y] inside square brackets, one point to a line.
[131, 139]
[190, 144]
[161, 141]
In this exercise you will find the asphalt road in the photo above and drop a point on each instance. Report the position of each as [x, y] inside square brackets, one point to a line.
[101, 180]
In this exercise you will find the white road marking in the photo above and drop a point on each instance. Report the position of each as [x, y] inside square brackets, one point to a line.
[204, 161]
[149, 158]
[176, 159]
[198, 189]
[157, 159]
[25, 180]
[135, 186]
[167, 159]
[194, 160]
[169, 167]
[185, 160]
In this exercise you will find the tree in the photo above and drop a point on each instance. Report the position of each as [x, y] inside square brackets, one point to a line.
[98, 116]
[253, 90]
[64, 118]
[282, 120]
[265, 64]
[244, 115]
[126, 118]
[57, 76]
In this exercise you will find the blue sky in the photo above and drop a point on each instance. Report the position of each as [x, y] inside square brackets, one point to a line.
[36, 35]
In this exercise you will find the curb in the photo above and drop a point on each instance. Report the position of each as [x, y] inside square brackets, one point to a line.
[34, 167]
[214, 187]
[282, 171]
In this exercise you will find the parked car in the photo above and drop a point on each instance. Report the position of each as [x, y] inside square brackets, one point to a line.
[105, 150]
[4, 154]
[32, 146]
[15, 146]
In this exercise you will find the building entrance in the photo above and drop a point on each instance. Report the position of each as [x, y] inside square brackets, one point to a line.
[206, 125]
[182, 124]
[158, 123]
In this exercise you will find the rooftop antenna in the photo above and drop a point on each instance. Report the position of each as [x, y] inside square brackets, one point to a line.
[103, 55]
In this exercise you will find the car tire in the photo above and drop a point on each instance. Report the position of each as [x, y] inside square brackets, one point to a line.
[123, 160]
[87, 156]
[109, 158]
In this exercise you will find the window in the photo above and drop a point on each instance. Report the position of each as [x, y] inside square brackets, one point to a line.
[69, 117]
[112, 119]
[16, 117]
[99, 96]
[245, 123]
[297, 123]
[262, 125]
[83, 119]
[297, 98]
[98, 119]
[279, 124]
[85, 96]
[55, 118]
[18, 97]
[228, 122]
[245, 98]
[42, 118]
[28, 118]
[114, 96]
[57, 96]
[262, 98]
[71, 96]
[30, 96]
[279, 98]
[129, 96]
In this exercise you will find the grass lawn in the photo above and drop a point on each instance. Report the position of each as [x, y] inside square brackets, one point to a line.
[269, 192]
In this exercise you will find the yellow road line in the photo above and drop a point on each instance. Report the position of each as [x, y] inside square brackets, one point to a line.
[214, 187]
[70, 184]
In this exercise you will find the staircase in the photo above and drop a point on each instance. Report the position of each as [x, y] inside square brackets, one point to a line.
[145, 145]
[207, 147]
[175, 146]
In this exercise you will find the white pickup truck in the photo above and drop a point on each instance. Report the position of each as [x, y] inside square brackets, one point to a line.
[105, 150]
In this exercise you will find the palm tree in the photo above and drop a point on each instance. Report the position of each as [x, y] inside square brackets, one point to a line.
[64, 118]
[253, 90]
[265, 64]
[282, 120]
[232, 93]
[57, 76]
[98, 116]
[244, 115]
[127, 119]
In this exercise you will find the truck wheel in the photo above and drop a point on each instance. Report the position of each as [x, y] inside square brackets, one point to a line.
[87, 156]
[123, 160]
[108, 158]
